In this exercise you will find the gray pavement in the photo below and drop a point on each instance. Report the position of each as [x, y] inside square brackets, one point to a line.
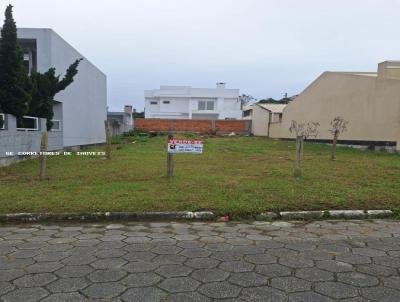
[262, 261]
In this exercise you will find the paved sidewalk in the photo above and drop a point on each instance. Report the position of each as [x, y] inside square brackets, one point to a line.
[319, 261]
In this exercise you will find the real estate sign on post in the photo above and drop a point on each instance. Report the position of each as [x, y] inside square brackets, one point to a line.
[185, 146]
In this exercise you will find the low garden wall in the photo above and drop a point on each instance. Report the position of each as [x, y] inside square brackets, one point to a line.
[13, 140]
[242, 127]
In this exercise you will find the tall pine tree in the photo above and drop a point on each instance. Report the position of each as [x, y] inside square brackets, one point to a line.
[14, 81]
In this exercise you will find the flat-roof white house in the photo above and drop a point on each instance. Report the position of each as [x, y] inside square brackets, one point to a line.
[81, 109]
[185, 102]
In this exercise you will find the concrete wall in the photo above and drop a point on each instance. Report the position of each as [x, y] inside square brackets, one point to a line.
[85, 100]
[197, 126]
[260, 121]
[13, 140]
[370, 102]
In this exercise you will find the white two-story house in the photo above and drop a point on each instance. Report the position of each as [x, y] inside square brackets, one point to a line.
[185, 102]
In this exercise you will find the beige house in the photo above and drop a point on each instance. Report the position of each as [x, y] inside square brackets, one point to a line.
[265, 115]
[370, 101]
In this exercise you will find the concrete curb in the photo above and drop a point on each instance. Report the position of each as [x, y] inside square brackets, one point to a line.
[187, 215]
[106, 216]
[328, 214]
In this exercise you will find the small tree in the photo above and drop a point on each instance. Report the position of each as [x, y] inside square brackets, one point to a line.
[338, 126]
[14, 81]
[245, 99]
[302, 131]
[44, 88]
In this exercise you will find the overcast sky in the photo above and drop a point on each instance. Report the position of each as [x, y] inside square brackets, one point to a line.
[263, 47]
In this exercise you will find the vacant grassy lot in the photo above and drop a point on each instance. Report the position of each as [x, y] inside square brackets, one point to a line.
[236, 175]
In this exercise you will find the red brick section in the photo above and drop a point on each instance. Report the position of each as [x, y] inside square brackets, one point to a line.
[197, 126]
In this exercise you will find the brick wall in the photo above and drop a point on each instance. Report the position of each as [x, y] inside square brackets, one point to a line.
[197, 126]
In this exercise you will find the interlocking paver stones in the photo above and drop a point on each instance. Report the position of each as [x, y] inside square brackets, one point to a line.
[74, 271]
[335, 266]
[324, 260]
[141, 279]
[357, 279]
[140, 267]
[10, 274]
[218, 247]
[107, 275]
[146, 294]
[308, 297]
[186, 237]
[381, 294]
[376, 270]
[236, 266]
[368, 252]
[296, 262]
[65, 285]
[248, 279]
[273, 270]
[220, 290]
[314, 274]
[393, 282]
[195, 252]
[260, 259]
[291, 284]
[110, 263]
[28, 294]
[139, 256]
[187, 297]
[336, 290]
[35, 280]
[202, 263]
[387, 261]
[110, 253]
[174, 270]
[166, 250]
[79, 259]
[178, 285]
[104, 290]
[65, 297]
[44, 267]
[6, 287]
[265, 294]
[227, 256]
[210, 275]
[353, 259]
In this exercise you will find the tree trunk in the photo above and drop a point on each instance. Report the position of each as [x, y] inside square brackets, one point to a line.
[335, 138]
[108, 139]
[299, 155]
[42, 157]
[170, 160]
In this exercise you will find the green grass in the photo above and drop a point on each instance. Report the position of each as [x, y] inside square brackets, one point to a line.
[235, 175]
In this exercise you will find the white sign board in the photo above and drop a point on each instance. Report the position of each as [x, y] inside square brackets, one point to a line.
[185, 146]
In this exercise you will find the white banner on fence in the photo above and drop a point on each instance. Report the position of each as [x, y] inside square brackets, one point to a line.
[185, 146]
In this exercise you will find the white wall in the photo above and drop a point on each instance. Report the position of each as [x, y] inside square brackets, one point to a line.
[85, 100]
[184, 102]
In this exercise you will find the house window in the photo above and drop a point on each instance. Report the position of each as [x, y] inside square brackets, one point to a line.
[56, 125]
[28, 123]
[2, 121]
[166, 102]
[153, 103]
[205, 105]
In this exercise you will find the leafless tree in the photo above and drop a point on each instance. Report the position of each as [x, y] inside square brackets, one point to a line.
[302, 131]
[338, 126]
